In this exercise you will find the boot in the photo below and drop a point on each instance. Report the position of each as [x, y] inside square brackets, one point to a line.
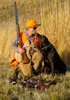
[13, 79]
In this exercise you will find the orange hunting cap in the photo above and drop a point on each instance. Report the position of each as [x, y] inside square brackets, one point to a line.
[31, 23]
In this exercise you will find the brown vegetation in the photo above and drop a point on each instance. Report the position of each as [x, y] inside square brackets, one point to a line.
[52, 14]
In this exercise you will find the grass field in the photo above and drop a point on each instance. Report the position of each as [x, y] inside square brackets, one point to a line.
[60, 91]
[54, 16]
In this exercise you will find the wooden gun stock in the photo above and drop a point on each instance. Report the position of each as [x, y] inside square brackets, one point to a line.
[24, 57]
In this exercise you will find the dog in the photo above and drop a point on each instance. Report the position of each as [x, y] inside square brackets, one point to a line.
[52, 60]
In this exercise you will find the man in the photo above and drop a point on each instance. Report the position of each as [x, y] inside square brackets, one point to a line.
[39, 51]
[29, 40]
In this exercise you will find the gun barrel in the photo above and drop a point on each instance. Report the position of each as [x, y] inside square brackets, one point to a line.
[15, 8]
[17, 25]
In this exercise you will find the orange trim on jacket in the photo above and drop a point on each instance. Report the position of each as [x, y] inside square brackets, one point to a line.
[24, 39]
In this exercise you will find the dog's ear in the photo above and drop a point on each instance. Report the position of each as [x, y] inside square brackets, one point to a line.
[43, 40]
[40, 38]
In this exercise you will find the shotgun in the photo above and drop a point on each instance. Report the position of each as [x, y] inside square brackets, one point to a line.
[24, 57]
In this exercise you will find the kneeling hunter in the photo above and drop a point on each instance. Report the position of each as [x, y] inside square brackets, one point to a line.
[29, 41]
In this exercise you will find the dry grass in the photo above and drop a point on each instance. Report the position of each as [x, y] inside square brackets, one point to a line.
[53, 16]
[55, 24]
[60, 91]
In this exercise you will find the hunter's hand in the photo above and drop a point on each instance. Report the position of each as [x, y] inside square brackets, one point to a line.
[22, 50]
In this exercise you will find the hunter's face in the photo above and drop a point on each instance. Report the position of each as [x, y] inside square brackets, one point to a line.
[32, 31]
